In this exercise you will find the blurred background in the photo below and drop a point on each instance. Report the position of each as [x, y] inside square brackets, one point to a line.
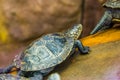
[22, 21]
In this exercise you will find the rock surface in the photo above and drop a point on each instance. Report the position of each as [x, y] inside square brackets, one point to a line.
[26, 19]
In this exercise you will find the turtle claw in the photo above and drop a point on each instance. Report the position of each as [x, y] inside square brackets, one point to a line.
[99, 29]
[86, 50]
[94, 31]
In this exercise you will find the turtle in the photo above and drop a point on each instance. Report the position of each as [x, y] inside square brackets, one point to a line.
[111, 16]
[43, 54]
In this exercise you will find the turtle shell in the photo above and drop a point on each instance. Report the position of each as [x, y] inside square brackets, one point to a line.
[46, 52]
[112, 4]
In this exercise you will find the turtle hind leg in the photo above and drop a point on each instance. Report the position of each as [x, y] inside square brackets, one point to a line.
[7, 69]
[81, 48]
[54, 76]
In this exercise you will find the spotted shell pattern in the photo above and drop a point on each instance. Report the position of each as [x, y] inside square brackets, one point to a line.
[46, 52]
[112, 4]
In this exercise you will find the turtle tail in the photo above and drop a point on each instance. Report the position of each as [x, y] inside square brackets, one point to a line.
[104, 23]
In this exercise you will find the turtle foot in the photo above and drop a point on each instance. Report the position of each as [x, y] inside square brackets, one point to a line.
[86, 50]
[54, 76]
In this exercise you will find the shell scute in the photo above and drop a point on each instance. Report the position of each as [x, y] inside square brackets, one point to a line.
[60, 41]
[54, 48]
[43, 53]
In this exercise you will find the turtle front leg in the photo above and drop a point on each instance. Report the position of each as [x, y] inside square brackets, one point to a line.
[105, 22]
[81, 48]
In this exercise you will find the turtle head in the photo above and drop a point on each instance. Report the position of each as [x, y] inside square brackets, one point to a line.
[74, 32]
